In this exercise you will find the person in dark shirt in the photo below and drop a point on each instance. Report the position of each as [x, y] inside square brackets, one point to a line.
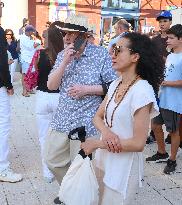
[12, 48]
[165, 21]
[6, 89]
[47, 100]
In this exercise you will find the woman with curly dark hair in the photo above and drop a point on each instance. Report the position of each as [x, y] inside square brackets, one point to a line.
[124, 116]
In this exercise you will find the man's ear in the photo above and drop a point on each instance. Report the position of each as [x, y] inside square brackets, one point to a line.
[180, 39]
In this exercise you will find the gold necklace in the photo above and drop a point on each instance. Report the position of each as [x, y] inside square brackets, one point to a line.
[117, 105]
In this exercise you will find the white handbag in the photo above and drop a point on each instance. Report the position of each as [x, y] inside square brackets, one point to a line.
[79, 186]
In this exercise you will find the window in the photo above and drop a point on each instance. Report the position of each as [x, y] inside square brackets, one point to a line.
[121, 4]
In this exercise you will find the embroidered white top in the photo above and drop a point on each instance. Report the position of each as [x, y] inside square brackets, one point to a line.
[117, 166]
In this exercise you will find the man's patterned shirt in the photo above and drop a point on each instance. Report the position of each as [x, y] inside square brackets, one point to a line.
[93, 67]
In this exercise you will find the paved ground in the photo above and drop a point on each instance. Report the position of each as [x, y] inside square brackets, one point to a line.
[159, 189]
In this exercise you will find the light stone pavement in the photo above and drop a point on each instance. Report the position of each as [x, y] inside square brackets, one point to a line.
[158, 189]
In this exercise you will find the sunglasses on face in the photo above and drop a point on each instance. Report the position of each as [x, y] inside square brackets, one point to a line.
[9, 34]
[119, 49]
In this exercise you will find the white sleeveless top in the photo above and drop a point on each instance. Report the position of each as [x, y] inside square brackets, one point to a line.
[117, 166]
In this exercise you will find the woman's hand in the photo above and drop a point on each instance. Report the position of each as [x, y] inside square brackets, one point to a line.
[69, 53]
[90, 145]
[111, 141]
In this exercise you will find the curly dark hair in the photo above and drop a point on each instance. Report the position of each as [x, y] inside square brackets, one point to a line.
[150, 65]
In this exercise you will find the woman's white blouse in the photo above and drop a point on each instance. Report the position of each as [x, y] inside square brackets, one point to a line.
[117, 166]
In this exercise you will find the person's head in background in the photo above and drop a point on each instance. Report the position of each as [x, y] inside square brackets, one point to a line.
[29, 30]
[1, 7]
[165, 21]
[121, 26]
[92, 35]
[47, 25]
[174, 41]
[9, 35]
[55, 43]
[25, 22]
[36, 35]
[91, 39]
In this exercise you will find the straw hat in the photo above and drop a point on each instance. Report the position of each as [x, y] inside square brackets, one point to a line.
[76, 22]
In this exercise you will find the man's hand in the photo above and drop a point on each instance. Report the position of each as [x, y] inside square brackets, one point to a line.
[10, 91]
[77, 91]
[111, 141]
[69, 54]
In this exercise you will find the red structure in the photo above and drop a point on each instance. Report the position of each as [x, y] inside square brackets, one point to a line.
[38, 11]
[151, 8]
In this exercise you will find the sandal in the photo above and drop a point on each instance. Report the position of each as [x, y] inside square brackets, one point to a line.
[25, 94]
[31, 92]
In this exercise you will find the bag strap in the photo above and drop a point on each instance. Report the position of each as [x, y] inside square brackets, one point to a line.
[81, 136]
[35, 56]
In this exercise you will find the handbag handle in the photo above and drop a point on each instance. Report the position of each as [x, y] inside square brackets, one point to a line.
[81, 136]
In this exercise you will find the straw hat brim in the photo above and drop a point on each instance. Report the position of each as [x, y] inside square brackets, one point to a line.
[69, 29]
[73, 30]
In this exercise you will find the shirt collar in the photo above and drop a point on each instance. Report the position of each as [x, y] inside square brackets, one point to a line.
[88, 50]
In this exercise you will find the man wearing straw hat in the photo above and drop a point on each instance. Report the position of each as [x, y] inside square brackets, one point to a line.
[82, 72]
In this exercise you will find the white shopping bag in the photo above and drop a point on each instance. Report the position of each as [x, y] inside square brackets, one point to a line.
[79, 185]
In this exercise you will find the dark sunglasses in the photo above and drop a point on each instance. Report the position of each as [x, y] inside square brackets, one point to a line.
[9, 34]
[119, 49]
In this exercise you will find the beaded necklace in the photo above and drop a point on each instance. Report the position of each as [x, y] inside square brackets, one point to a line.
[116, 90]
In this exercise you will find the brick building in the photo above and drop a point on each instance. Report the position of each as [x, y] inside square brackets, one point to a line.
[40, 11]
[149, 9]
[140, 13]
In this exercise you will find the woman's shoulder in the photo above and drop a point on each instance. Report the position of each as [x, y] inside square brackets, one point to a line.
[143, 85]
[142, 89]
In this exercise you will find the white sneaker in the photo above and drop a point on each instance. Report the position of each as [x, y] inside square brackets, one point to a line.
[8, 175]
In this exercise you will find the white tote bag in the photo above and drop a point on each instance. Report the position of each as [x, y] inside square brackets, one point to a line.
[79, 185]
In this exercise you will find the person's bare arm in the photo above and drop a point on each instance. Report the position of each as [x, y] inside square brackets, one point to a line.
[110, 141]
[134, 144]
[177, 83]
[79, 91]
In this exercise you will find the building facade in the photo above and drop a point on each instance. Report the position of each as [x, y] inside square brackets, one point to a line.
[101, 13]
[149, 9]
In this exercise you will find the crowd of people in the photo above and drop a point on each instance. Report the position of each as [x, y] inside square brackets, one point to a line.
[115, 93]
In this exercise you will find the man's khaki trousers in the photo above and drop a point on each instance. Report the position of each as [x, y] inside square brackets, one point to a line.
[59, 151]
